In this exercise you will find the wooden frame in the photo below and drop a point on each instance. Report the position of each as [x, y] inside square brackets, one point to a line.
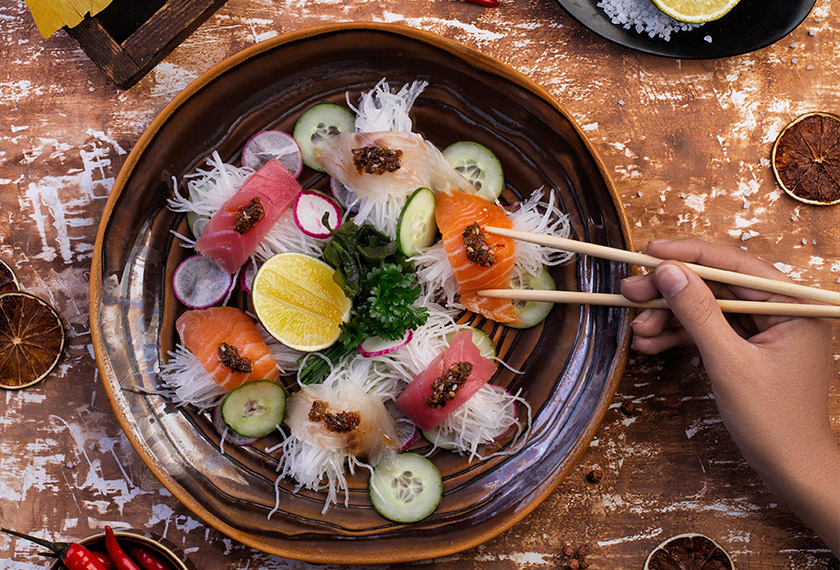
[125, 42]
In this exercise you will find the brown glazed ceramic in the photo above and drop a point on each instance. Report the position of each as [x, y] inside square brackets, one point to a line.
[570, 365]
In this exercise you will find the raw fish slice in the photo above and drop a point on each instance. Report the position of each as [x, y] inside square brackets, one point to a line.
[412, 400]
[202, 331]
[454, 211]
[375, 434]
[276, 188]
[421, 164]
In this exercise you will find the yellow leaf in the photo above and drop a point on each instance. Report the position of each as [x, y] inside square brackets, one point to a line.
[51, 15]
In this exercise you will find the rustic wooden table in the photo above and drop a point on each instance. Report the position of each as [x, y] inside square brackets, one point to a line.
[687, 143]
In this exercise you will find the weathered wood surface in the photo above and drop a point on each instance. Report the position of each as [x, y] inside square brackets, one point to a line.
[687, 142]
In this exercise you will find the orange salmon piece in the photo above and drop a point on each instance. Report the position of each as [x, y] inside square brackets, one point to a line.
[454, 211]
[203, 330]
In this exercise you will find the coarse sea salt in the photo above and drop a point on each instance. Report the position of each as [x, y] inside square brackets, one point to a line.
[644, 17]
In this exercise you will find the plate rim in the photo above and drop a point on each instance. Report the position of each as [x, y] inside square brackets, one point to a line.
[111, 384]
[567, 5]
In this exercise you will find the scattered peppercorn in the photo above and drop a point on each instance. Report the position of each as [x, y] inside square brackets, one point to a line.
[476, 246]
[573, 564]
[628, 408]
[584, 563]
[445, 388]
[583, 550]
[595, 475]
[568, 550]
[376, 160]
[229, 356]
[247, 216]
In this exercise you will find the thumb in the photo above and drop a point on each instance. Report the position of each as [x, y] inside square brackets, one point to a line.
[695, 306]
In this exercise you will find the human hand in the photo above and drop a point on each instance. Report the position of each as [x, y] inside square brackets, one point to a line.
[770, 375]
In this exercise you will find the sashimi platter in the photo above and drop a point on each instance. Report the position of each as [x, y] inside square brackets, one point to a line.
[286, 307]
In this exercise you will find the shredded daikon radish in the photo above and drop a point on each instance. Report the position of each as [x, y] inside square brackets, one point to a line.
[186, 381]
[381, 109]
[486, 416]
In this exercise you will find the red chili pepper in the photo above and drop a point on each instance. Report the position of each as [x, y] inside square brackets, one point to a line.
[74, 555]
[149, 560]
[490, 3]
[115, 551]
[104, 560]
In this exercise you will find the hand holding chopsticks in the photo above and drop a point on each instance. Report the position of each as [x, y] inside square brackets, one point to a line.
[709, 273]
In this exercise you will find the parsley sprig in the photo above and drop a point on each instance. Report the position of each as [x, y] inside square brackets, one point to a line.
[383, 287]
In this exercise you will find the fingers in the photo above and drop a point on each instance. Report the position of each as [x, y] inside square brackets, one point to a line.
[694, 305]
[668, 338]
[721, 256]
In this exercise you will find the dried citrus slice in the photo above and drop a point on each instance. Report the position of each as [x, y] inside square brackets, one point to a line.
[31, 339]
[8, 280]
[690, 551]
[806, 158]
[695, 11]
[298, 302]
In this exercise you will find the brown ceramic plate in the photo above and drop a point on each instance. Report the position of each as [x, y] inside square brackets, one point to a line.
[571, 364]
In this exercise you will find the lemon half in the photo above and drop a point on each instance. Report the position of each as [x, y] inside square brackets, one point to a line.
[298, 302]
[695, 11]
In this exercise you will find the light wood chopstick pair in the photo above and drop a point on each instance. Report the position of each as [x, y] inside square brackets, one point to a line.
[710, 273]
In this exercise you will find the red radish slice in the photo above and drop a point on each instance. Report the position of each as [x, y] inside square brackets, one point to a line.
[198, 282]
[309, 209]
[375, 346]
[246, 277]
[266, 145]
[228, 435]
[407, 432]
[342, 194]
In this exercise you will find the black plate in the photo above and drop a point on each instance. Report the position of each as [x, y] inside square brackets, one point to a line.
[751, 25]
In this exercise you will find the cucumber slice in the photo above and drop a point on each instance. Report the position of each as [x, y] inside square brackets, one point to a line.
[439, 439]
[405, 488]
[254, 409]
[481, 340]
[479, 165]
[318, 122]
[416, 227]
[532, 313]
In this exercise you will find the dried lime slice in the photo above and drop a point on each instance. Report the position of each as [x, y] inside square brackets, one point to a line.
[806, 158]
[696, 11]
[32, 339]
[690, 551]
[8, 280]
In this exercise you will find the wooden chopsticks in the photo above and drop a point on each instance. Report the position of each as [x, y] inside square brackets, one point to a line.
[710, 273]
[611, 300]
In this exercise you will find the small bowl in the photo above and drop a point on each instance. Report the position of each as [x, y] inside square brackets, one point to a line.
[131, 538]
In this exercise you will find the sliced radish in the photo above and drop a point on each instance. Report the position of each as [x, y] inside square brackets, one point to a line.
[342, 194]
[199, 283]
[227, 434]
[266, 145]
[246, 276]
[309, 210]
[407, 432]
[375, 346]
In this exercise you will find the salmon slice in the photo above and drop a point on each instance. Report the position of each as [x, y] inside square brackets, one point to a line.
[275, 188]
[454, 211]
[202, 331]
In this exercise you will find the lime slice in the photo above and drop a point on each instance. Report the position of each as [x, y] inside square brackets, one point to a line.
[298, 301]
[8, 280]
[695, 11]
[32, 339]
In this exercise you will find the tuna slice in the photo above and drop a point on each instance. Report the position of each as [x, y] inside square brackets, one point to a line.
[274, 187]
[413, 400]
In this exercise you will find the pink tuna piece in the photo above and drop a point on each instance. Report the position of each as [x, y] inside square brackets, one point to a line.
[412, 400]
[276, 189]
